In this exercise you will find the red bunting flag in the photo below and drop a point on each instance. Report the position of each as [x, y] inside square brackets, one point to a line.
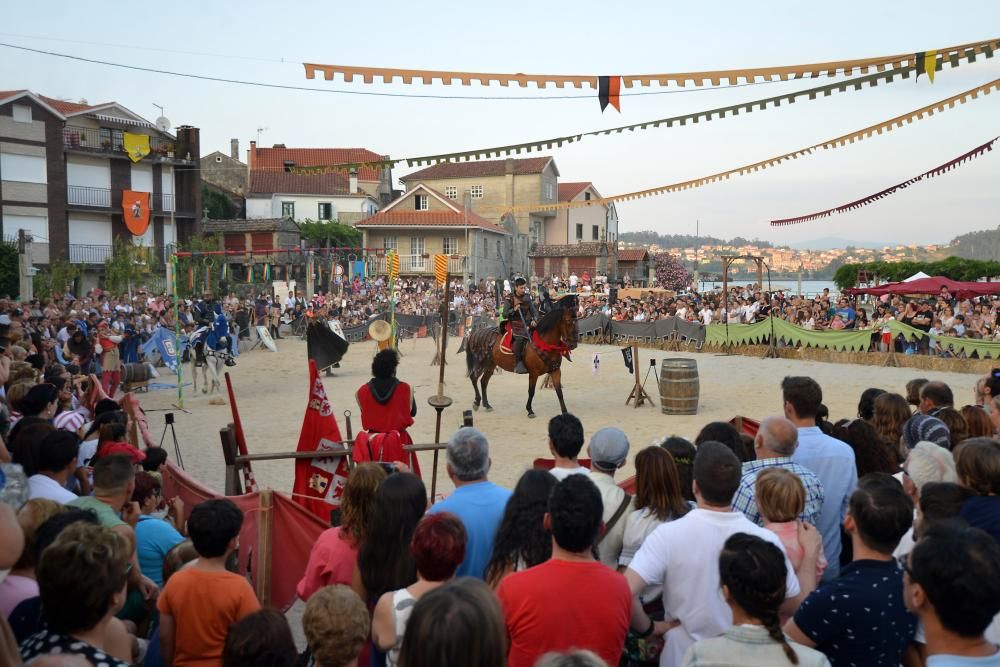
[319, 483]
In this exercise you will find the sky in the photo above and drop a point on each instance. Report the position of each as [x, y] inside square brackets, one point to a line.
[265, 41]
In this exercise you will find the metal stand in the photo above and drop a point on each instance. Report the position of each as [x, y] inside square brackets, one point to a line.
[169, 425]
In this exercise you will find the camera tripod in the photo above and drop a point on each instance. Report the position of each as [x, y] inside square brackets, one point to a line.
[169, 425]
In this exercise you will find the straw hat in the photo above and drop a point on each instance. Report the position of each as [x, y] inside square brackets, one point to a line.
[380, 330]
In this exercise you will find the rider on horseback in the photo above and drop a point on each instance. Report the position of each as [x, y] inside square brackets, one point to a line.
[520, 312]
[205, 310]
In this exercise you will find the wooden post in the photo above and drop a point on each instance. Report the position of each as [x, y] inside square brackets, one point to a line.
[233, 486]
[264, 545]
[439, 401]
[638, 393]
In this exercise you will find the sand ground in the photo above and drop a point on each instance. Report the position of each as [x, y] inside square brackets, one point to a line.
[272, 389]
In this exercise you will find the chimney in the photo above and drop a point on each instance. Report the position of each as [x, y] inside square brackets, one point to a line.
[251, 153]
[353, 181]
[234, 149]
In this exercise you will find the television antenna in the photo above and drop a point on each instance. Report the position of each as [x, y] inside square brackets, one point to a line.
[162, 123]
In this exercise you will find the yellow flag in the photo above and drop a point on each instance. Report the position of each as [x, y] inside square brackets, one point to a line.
[930, 64]
[392, 264]
[136, 145]
[441, 269]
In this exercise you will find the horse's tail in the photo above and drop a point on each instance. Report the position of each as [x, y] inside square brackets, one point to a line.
[470, 359]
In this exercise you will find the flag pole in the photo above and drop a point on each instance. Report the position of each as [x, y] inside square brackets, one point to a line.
[177, 335]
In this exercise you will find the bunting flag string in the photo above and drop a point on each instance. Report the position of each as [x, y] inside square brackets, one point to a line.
[937, 62]
[681, 79]
[830, 144]
[870, 199]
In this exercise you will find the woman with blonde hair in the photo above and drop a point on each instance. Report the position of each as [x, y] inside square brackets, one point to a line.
[335, 553]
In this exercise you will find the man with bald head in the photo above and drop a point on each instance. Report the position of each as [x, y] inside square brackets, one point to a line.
[774, 445]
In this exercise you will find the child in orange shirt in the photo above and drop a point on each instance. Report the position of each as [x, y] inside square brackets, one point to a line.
[201, 601]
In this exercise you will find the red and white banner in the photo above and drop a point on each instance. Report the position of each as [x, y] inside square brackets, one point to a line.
[319, 483]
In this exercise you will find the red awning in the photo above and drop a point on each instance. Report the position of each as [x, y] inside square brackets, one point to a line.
[931, 286]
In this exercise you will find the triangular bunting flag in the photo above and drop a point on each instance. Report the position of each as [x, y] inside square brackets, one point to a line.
[608, 88]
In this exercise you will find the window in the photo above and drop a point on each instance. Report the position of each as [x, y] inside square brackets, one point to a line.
[476, 191]
[288, 209]
[586, 196]
[548, 191]
[218, 158]
[579, 232]
[499, 248]
[595, 237]
[390, 243]
[451, 192]
[416, 253]
[536, 232]
[23, 168]
[420, 202]
[22, 113]
[449, 245]
[326, 211]
[112, 140]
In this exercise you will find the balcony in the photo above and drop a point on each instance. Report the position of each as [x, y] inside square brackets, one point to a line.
[416, 265]
[94, 140]
[94, 255]
[82, 195]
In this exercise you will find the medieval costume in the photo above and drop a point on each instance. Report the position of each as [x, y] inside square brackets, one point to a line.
[387, 410]
[520, 312]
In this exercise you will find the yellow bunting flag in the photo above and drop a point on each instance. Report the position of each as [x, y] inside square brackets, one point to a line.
[441, 269]
[136, 145]
[930, 64]
[392, 265]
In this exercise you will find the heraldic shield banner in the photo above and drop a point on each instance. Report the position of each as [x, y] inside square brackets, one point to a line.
[319, 483]
[135, 207]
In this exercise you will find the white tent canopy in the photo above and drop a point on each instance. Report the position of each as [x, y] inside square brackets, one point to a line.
[919, 275]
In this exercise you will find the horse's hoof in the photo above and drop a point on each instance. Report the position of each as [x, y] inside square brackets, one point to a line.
[475, 406]
[204, 391]
[489, 408]
[531, 415]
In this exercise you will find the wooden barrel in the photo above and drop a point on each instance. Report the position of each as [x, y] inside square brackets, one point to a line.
[135, 373]
[679, 387]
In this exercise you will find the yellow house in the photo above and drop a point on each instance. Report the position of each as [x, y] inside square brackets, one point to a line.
[424, 222]
[489, 186]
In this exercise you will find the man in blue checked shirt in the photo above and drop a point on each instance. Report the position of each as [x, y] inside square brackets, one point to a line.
[774, 446]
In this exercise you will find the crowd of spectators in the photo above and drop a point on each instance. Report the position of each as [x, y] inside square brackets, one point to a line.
[868, 540]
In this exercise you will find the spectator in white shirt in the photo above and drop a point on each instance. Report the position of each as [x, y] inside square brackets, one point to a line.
[56, 462]
[565, 443]
[681, 556]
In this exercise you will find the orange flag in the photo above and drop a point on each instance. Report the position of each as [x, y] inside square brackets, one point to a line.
[135, 206]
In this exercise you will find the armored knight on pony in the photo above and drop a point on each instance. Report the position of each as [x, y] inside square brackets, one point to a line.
[212, 343]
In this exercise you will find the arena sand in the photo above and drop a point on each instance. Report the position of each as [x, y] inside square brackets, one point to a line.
[272, 388]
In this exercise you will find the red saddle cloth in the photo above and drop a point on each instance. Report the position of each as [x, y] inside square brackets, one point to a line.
[507, 342]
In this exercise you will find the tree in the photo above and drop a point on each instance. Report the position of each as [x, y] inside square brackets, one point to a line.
[331, 234]
[56, 280]
[220, 207]
[127, 266]
[191, 271]
[10, 282]
[670, 272]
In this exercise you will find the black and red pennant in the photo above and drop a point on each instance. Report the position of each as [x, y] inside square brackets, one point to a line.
[608, 88]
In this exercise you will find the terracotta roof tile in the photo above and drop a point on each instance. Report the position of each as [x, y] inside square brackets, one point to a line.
[632, 254]
[252, 225]
[567, 191]
[587, 249]
[274, 158]
[268, 182]
[397, 217]
[64, 107]
[481, 168]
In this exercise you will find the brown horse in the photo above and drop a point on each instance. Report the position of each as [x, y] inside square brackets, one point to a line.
[556, 332]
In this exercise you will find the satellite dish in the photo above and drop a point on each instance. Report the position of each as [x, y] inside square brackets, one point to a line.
[163, 124]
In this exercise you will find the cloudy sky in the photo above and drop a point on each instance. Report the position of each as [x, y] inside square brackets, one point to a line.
[265, 41]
